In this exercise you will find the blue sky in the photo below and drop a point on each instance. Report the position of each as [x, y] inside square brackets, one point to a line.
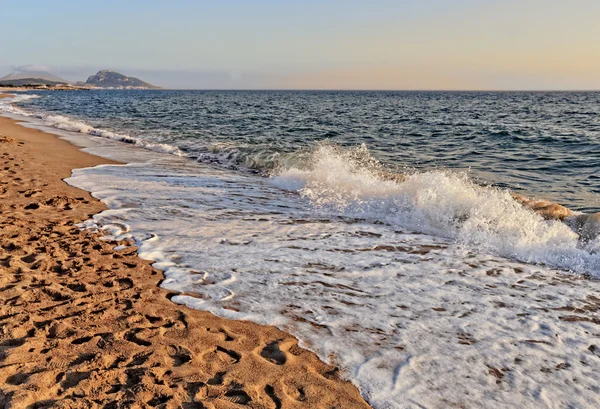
[378, 44]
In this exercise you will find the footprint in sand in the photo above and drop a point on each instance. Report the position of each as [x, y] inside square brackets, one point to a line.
[125, 283]
[197, 391]
[29, 258]
[30, 192]
[139, 359]
[272, 353]
[17, 379]
[180, 355]
[270, 391]
[294, 392]
[233, 355]
[217, 379]
[72, 379]
[237, 396]
[227, 334]
[83, 358]
[80, 288]
[131, 336]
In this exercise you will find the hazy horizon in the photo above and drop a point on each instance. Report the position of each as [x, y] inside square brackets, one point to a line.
[384, 45]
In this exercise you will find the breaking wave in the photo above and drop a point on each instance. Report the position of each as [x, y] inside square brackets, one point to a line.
[351, 183]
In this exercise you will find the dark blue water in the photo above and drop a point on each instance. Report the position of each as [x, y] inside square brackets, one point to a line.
[545, 144]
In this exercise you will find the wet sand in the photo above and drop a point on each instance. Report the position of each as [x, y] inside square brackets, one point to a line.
[83, 325]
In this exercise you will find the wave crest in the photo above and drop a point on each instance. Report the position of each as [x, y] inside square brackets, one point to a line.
[351, 183]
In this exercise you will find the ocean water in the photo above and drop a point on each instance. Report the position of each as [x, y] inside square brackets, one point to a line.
[544, 144]
[435, 289]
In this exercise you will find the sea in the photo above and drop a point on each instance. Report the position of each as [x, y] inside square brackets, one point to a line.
[377, 227]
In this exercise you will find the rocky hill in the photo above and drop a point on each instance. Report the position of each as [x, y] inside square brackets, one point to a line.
[112, 79]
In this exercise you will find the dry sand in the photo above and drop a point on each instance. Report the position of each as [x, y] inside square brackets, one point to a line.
[85, 326]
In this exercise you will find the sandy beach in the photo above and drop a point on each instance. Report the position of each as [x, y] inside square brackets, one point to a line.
[380, 205]
[83, 325]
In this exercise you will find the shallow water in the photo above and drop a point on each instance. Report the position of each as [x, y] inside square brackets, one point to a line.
[431, 291]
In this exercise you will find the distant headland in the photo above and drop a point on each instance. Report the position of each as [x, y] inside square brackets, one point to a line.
[104, 79]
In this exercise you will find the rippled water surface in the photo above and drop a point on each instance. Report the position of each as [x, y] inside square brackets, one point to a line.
[543, 143]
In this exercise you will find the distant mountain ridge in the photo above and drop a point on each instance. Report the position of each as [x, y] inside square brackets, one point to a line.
[105, 79]
[112, 79]
[32, 76]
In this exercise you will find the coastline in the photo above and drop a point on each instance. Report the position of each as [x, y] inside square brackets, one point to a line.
[525, 329]
[86, 324]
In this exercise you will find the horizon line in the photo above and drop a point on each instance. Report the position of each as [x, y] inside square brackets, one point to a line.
[351, 90]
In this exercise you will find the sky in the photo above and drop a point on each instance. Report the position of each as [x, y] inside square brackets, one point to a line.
[311, 44]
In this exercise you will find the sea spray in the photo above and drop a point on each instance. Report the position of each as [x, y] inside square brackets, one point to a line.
[412, 319]
[449, 204]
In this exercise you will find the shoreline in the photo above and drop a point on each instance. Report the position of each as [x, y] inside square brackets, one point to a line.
[86, 324]
[448, 314]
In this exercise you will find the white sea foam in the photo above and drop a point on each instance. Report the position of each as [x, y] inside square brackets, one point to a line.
[7, 106]
[68, 124]
[441, 203]
[413, 320]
